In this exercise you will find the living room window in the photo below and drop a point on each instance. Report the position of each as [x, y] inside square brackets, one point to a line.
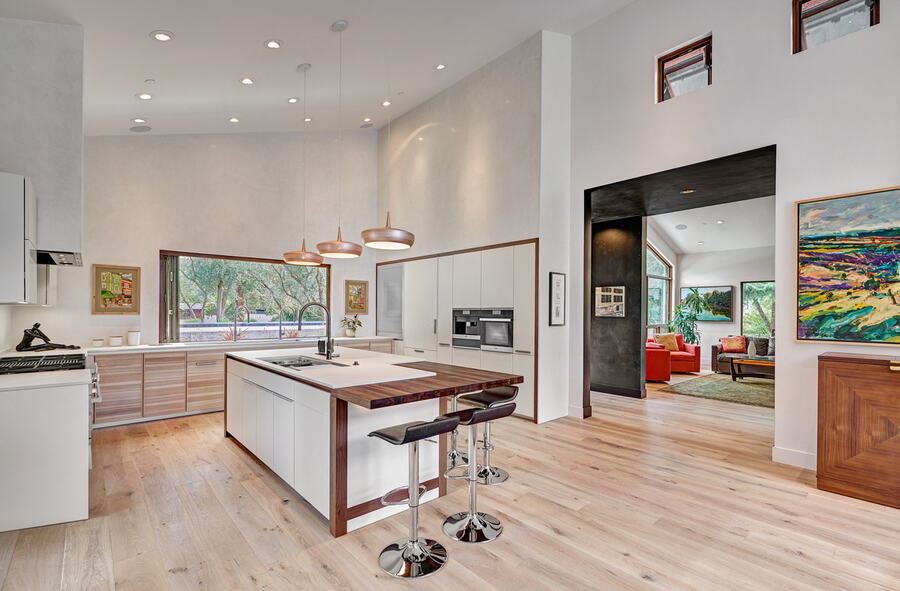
[820, 21]
[685, 69]
[659, 289]
[219, 298]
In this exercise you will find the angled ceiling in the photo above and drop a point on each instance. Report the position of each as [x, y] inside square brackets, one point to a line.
[218, 42]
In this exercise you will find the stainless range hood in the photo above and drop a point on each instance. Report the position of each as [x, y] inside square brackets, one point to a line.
[61, 258]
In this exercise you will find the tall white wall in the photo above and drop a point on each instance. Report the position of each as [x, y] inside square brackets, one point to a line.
[832, 111]
[724, 267]
[234, 194]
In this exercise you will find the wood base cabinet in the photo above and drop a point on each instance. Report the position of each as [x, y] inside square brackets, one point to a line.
[121, 384]
[165, 384]
[205, 380]
[859, 426]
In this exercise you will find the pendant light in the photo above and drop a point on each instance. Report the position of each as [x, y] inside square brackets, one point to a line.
[386, 237]
[303, 257]
[340, 249]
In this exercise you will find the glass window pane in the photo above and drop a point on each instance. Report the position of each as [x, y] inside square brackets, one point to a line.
[838, 20]
[758, 308]
[655, 265]
[218, 296]
[657, 301]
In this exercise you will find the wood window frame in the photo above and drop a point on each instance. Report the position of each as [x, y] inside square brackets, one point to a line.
[166, 254]
[684, 50]
[797, 25]
[669, 280]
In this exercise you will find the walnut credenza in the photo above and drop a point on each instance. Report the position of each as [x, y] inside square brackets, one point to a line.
[859, 426]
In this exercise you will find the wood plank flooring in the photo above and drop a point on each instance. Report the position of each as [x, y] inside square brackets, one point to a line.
[671, 492]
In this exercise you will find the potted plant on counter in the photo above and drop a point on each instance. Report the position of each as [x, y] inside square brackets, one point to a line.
[351, 324]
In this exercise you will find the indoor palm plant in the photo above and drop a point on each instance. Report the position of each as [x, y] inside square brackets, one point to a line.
[684, 318]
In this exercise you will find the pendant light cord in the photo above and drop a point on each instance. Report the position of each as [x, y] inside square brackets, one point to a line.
[340, 127]
[305, 168]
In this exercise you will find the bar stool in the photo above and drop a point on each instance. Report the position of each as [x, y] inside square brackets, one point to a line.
[454, 457]
[489, 398]
[474, 526]
[414, 556]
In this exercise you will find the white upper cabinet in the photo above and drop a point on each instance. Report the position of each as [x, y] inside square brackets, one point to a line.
[497, 271]
[420, 304]
[18, 263]
[523, 308]
[467, 280]
[445, 301]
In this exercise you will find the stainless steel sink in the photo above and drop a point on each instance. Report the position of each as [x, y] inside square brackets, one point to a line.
[298, 361]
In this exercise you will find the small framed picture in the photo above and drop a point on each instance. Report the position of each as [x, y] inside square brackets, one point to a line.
[557, 299]
[609, 302]
[356, 297]
[115, 290]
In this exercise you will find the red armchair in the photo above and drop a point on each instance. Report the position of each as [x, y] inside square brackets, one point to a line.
[685, 360]
[658, 364]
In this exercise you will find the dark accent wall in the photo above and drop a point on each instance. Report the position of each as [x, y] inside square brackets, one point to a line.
[617, 344]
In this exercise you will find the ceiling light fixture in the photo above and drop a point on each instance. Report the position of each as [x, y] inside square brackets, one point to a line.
[681, 227]
[386, 103]
[366, 119]
[293, 100]
[307, 119]
[700, 242]
[247, 81]
[340, 249]
[138, 120]
[273, 44]
[161, 35]
[144, 96]
[140, 128]
[303, 257]
[440, 67]
[234, 120]
[720, 222]
[687, 191]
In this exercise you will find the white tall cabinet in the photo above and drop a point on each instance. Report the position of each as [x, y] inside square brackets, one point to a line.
[420, 301]
[445, 309]
[467, 280]
[497, 278]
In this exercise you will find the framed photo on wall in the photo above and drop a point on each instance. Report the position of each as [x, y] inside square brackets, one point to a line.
[115, 289]
[557, 299]
[356, 297]
[718, 302]
[848, 268]
[609, 302]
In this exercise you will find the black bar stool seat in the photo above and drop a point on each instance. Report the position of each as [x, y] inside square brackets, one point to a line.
[489, 398]
[474, 526]
[414, 556]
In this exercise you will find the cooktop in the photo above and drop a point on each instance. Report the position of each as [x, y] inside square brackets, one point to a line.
[34, 363]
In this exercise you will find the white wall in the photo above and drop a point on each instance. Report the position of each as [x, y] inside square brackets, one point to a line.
[832, 111]
[234, 194]
[6, 335]
[724, 267]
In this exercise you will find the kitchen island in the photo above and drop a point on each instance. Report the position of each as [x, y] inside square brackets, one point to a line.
[309, 423]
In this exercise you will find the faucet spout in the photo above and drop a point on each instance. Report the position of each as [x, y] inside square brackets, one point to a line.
[329, 342]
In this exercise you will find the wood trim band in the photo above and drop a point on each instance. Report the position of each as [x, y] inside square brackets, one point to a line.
[375, 504]
[337, 518]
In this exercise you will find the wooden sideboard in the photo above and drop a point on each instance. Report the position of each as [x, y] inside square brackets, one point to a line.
[859, 426]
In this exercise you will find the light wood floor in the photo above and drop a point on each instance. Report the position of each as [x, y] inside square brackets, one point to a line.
[671, 492]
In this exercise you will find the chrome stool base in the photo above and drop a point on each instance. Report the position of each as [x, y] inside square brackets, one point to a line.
[473, 529]
[456, 459]
[491, 475]
[406, 560]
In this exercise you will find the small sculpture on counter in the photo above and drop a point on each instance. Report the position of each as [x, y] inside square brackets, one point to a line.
[35, 332]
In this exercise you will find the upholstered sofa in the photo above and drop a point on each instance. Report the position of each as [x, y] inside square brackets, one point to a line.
[685, 360]
[720, 361]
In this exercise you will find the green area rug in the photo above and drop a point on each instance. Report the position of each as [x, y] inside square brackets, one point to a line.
[753, 391]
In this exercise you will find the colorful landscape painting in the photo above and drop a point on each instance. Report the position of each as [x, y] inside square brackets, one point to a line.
[848, 285]
[718, 302]
[116, 290]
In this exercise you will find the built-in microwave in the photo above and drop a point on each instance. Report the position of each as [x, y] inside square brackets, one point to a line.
[496, 330]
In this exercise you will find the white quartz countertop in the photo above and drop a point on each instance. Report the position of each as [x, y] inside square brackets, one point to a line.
[44, 379]
[211, 346]
[355, 367]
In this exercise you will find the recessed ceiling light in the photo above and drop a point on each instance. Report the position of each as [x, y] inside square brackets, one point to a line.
[681, 227]
[420, 138]
[234, 120]
[386, 103]
[247, 81]
[293, 100]
[308, 119]
[161, 35]
[273, 44]
[138, 120]
[700, 242]
[140, 128]
[687, 191]
[440, 67]
[366, 119]
[365, 126]
[149, 81]
[720, 222]
[144, 96]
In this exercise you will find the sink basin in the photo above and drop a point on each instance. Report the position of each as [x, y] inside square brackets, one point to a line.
[298, 361]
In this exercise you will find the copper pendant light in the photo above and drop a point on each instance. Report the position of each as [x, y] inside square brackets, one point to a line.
[303, 257]
[340, 249]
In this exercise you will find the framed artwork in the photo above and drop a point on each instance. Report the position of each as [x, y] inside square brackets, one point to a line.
[356, 297]
[609, 302]
[848, 268]
[115, 290]
[719, 300]
[557, 299]
[758, 308]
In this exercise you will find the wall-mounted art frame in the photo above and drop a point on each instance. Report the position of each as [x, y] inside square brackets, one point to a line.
[609, 301]
[356, 297]
[557, 299]
[115, 289]
[719, 302]
[848, 268]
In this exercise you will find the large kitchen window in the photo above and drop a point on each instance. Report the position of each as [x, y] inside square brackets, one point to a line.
[820, 21]
[216, 298]
[659, 289]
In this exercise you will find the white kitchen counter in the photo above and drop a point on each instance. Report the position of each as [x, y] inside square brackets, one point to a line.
[44, 379]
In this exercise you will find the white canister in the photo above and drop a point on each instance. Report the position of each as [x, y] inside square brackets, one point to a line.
[134, 337]
[98, 342]
[115, 341]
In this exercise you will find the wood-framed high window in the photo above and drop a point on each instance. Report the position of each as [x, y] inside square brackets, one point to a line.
[819, 21]
[209, 297]
[658, 277]
[685, 69]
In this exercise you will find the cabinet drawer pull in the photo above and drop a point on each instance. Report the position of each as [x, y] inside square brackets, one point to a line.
[523, 351]
[419, 350]
[202, 363]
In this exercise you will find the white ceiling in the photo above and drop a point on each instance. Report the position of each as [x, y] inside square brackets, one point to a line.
[747, 224]
[218, 42]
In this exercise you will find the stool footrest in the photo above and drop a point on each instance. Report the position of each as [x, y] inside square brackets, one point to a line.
[400, 495]
[464, 475]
